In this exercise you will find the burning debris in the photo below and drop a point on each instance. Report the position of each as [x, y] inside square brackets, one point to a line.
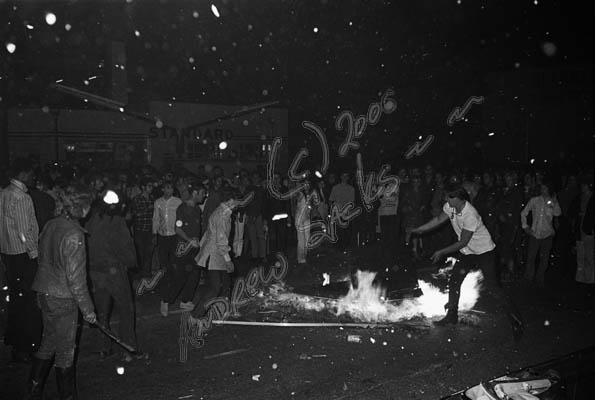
[366, 300]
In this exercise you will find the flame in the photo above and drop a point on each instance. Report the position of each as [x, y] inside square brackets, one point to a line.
[366, 302]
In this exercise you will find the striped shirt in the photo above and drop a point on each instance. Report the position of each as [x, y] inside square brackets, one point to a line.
[19, 232]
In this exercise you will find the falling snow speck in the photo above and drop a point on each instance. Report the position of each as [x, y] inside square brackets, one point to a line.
[546, 323]
[215, 11]
[50, 18]
[315, 30]
[195, 14]
[11, 47]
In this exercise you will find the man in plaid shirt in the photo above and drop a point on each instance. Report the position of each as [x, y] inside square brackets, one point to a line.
[142, 210]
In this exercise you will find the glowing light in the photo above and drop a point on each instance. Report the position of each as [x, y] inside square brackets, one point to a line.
[315, 30]
[223, 145]
[136, 33]
[215, 11]
[111, 197]
[278, 217]
[120, 370]
[11, 47]
[50, 18]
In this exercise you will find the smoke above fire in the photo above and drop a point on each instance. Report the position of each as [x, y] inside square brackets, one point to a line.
[367, 301]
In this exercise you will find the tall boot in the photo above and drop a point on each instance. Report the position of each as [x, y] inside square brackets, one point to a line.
[39, 373]
[66, 380]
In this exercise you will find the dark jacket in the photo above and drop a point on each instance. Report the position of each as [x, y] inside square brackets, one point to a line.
[62, 258]
[44, 206]
[110, 244]
[588, 220]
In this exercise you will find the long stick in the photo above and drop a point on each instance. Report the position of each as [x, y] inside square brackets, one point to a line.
[311, 324]
[112, 336]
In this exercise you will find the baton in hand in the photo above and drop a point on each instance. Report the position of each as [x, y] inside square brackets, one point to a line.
[112, 336]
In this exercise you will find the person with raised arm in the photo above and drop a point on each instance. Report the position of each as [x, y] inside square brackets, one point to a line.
[475, 249]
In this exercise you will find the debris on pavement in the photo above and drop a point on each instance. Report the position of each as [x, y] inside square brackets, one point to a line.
[225, 353]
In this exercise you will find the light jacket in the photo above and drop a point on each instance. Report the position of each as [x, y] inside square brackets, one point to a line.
[214, 245]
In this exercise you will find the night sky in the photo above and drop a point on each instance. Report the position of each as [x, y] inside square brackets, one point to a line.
[316, 58]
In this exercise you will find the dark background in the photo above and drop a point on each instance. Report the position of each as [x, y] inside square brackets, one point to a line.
[533, 64]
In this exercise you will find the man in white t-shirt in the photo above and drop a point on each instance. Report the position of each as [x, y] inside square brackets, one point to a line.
[476, 249]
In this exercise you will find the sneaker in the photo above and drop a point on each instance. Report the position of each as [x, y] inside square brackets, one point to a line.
[188, 305]
[164, 309]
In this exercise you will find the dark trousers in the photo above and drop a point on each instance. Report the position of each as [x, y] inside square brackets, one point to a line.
[143, 241]
[344, 236]
[181, 280]
[23, 330]
[60, 317]
[486, 263]
[543, 248]
[218, 284]
[278, 236]
[388, 234]
[255, 228]
[114, 289]
[166, 248]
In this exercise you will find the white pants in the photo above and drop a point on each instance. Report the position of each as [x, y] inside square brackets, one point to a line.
[303, 235]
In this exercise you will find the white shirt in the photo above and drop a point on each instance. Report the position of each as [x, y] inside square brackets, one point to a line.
[469, 220]
[543, 215]
[389, 204]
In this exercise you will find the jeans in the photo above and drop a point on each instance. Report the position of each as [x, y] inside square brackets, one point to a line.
[218, 284]
[166, 248]
[255, 228]
[543, 247]
[143, 240]
[181, 280]
[23, 325]
[114, 287]
[60, 317]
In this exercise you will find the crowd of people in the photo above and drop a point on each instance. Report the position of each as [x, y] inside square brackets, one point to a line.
[72, 238]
